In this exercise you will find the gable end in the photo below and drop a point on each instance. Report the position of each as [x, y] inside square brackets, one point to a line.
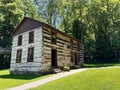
[26, 25]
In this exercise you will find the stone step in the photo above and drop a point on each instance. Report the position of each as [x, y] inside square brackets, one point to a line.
[56, 70]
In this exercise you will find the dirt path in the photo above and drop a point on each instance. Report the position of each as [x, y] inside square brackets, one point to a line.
[46, 80]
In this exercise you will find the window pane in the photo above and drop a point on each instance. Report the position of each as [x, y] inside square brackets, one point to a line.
[76, 58]
[72, 57]
[20, 40]
[19, 55]
[31, 37]
[53, 38]
[30, 54]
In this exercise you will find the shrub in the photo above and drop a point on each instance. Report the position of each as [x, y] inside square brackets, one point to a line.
[65, 68]
[75, 67]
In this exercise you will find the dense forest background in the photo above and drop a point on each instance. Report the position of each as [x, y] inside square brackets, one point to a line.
[94, 22]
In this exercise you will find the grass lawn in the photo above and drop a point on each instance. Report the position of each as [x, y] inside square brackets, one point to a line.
[101, 65]
[7, 80]
[92, 79]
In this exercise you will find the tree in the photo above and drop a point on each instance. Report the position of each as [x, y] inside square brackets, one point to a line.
[10, 17]
[48, 10]
[100, 18]
[78, 30]
[71, 11]
[29, 9]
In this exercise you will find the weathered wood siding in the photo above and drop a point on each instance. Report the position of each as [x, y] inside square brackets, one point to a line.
[26, 25]
[65, 46]
[46, 57]
[64, 50]
[27, 67]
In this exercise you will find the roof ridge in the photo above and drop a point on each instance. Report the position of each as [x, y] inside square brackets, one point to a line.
[44, 24]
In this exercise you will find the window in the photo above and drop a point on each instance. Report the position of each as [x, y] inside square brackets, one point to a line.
[78, 47]
[30, 54]
[19, 55]
[71, 44]
[76, 58]
[53, 38]
[72, 57]
[20, 40]
[31, 37]
[68, 45]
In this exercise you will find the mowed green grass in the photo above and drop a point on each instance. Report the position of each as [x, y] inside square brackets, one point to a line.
[92, 79]
[7, 80]
[101, 65]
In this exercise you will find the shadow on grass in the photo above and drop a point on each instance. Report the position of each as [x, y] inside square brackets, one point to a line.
[100, 65]
[16, 76]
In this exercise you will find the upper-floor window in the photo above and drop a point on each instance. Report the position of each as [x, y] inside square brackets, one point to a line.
[20, 40]
[30, 54]
[76, 58]
[68, 45]
[78, 47]
[53, 38]
[71, 44]
[31, 37]
[19, 55]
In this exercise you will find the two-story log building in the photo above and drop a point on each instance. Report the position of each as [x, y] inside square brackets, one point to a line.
[37, 47]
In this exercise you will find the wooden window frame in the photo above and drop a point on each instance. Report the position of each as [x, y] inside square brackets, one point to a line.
[76, 58]
[72, 57]
[71, 44]
[18, 58]
[31, 37]
[20, 40]
[29, 55]
[78, 47]
[53, 41]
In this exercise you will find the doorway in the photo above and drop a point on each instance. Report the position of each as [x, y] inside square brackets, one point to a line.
[53, 57]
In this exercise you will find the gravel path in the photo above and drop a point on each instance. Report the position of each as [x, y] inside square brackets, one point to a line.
[46, 80]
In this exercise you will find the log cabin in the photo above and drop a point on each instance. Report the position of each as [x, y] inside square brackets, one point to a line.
[38, 48]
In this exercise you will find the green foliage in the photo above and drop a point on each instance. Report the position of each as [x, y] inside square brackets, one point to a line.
[75, 67]
[4, 61]
[48, 10]
[102, 19]
[11, 16]
[94, 22]
[69, 12]
[65, 68]
[29, 9]
[78, 30]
